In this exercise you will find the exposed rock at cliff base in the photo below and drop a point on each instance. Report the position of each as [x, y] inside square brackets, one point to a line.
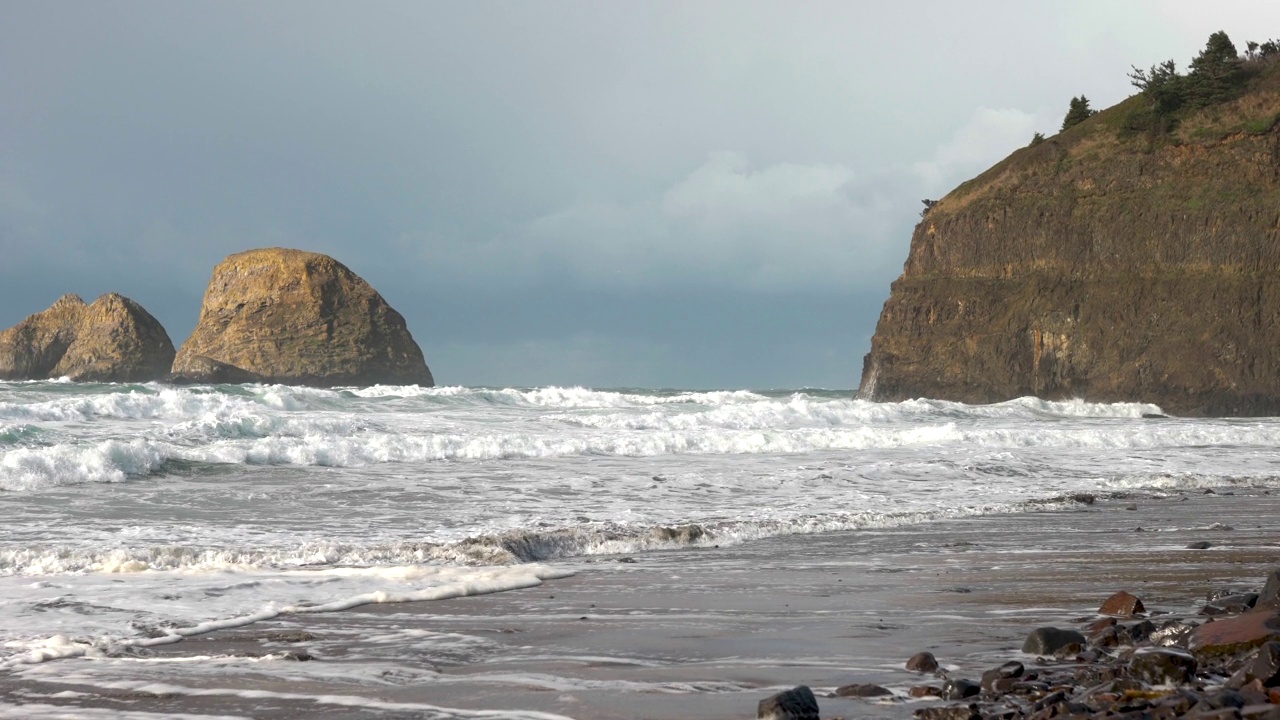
[295, 317]
[111, 340]
[1103, 266]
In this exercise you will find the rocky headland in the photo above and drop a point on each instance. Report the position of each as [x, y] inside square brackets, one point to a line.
[112, 339]
[1132, 257]
[294, 317]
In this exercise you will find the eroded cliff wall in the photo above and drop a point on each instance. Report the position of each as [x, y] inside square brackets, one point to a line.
[1101, 265]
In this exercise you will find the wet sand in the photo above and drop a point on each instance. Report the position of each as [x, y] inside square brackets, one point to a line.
[696, 633]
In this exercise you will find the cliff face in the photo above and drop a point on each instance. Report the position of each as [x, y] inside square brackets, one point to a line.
[295, 317]
[1101, 266]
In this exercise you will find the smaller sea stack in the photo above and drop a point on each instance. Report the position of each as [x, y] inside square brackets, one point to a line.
[297, 318]
[111, 340]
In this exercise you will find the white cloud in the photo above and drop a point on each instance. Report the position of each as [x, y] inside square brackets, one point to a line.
[989, 135]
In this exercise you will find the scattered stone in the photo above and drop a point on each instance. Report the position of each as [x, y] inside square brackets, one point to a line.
[958, 712]
[1160, 666]
[1230, 604]
[1172, 633]
[1122, 604]
[798, 703]
[1263, 666]
[1002, 678]
[922, 662]
[862, 690]
[921, 691]
[959, 688]
[1049, 640]
[1270, 595]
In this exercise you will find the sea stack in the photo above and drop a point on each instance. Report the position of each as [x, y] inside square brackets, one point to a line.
[299, 318]
[111, 340]
[1107, 263]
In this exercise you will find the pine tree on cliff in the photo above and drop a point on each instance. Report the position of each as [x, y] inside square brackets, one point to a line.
[1077, 113]
[1216, 73]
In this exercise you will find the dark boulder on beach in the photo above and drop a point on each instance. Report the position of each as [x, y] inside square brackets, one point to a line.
[922, 662]
[798, 703]
[1101, 264]
[1049, 640]
[863, 690]
[113, 339]
[300, 318]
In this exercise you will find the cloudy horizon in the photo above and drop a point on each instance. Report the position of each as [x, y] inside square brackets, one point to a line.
[661, 194]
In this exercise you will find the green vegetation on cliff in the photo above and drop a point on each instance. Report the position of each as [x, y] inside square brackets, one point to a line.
[1108, 263]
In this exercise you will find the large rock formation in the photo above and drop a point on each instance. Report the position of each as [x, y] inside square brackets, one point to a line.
[294, 317]
[1105, 265]
[112, 340]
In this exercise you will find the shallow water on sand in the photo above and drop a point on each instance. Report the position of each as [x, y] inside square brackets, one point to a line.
[137, 516]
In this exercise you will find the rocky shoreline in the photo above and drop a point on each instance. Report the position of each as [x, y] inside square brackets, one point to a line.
[1221, 663]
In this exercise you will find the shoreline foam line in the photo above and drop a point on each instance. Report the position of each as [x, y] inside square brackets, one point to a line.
[59, 647]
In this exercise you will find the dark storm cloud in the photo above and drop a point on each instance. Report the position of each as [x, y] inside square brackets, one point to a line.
[604, 193]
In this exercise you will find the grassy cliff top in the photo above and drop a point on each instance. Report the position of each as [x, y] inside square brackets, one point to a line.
[1127, 129]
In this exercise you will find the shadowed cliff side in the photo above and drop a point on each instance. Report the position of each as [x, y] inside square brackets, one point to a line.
[301, 318]
[1102, 264]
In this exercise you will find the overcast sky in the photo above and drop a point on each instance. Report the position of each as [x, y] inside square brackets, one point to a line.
[657, 194]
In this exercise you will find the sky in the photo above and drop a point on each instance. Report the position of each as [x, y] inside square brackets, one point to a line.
[607, 194]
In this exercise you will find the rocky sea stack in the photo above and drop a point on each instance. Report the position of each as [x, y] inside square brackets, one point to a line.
[300, 318]
[111, 340]
[1135, 256]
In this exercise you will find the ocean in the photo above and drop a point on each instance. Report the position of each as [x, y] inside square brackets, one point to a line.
[138, 517]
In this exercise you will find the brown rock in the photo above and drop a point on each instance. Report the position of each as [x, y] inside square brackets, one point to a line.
[295, 317]
[922, 662]
[922, 691]
[1235, 634]
[1122, 604]
[112, 340]
[863, 690]
[1160, 666]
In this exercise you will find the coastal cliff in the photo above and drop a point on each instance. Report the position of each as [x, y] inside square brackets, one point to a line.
[1104, 264]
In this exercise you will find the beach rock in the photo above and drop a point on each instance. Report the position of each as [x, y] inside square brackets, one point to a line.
[798, 703]
[1009, 672]
[1049, 640]
[1270, 595]
[111, 340]
[1262, 666]
[954, 712]
[862, 690]
[923, 691]
[1236, 634]
[1160, 666]
[1172, 633]
[1122, 604]
[959, 688]
[1230, 604]
[295, 317]
[922, 662]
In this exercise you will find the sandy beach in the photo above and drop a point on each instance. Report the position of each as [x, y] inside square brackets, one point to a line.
[698, 633]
